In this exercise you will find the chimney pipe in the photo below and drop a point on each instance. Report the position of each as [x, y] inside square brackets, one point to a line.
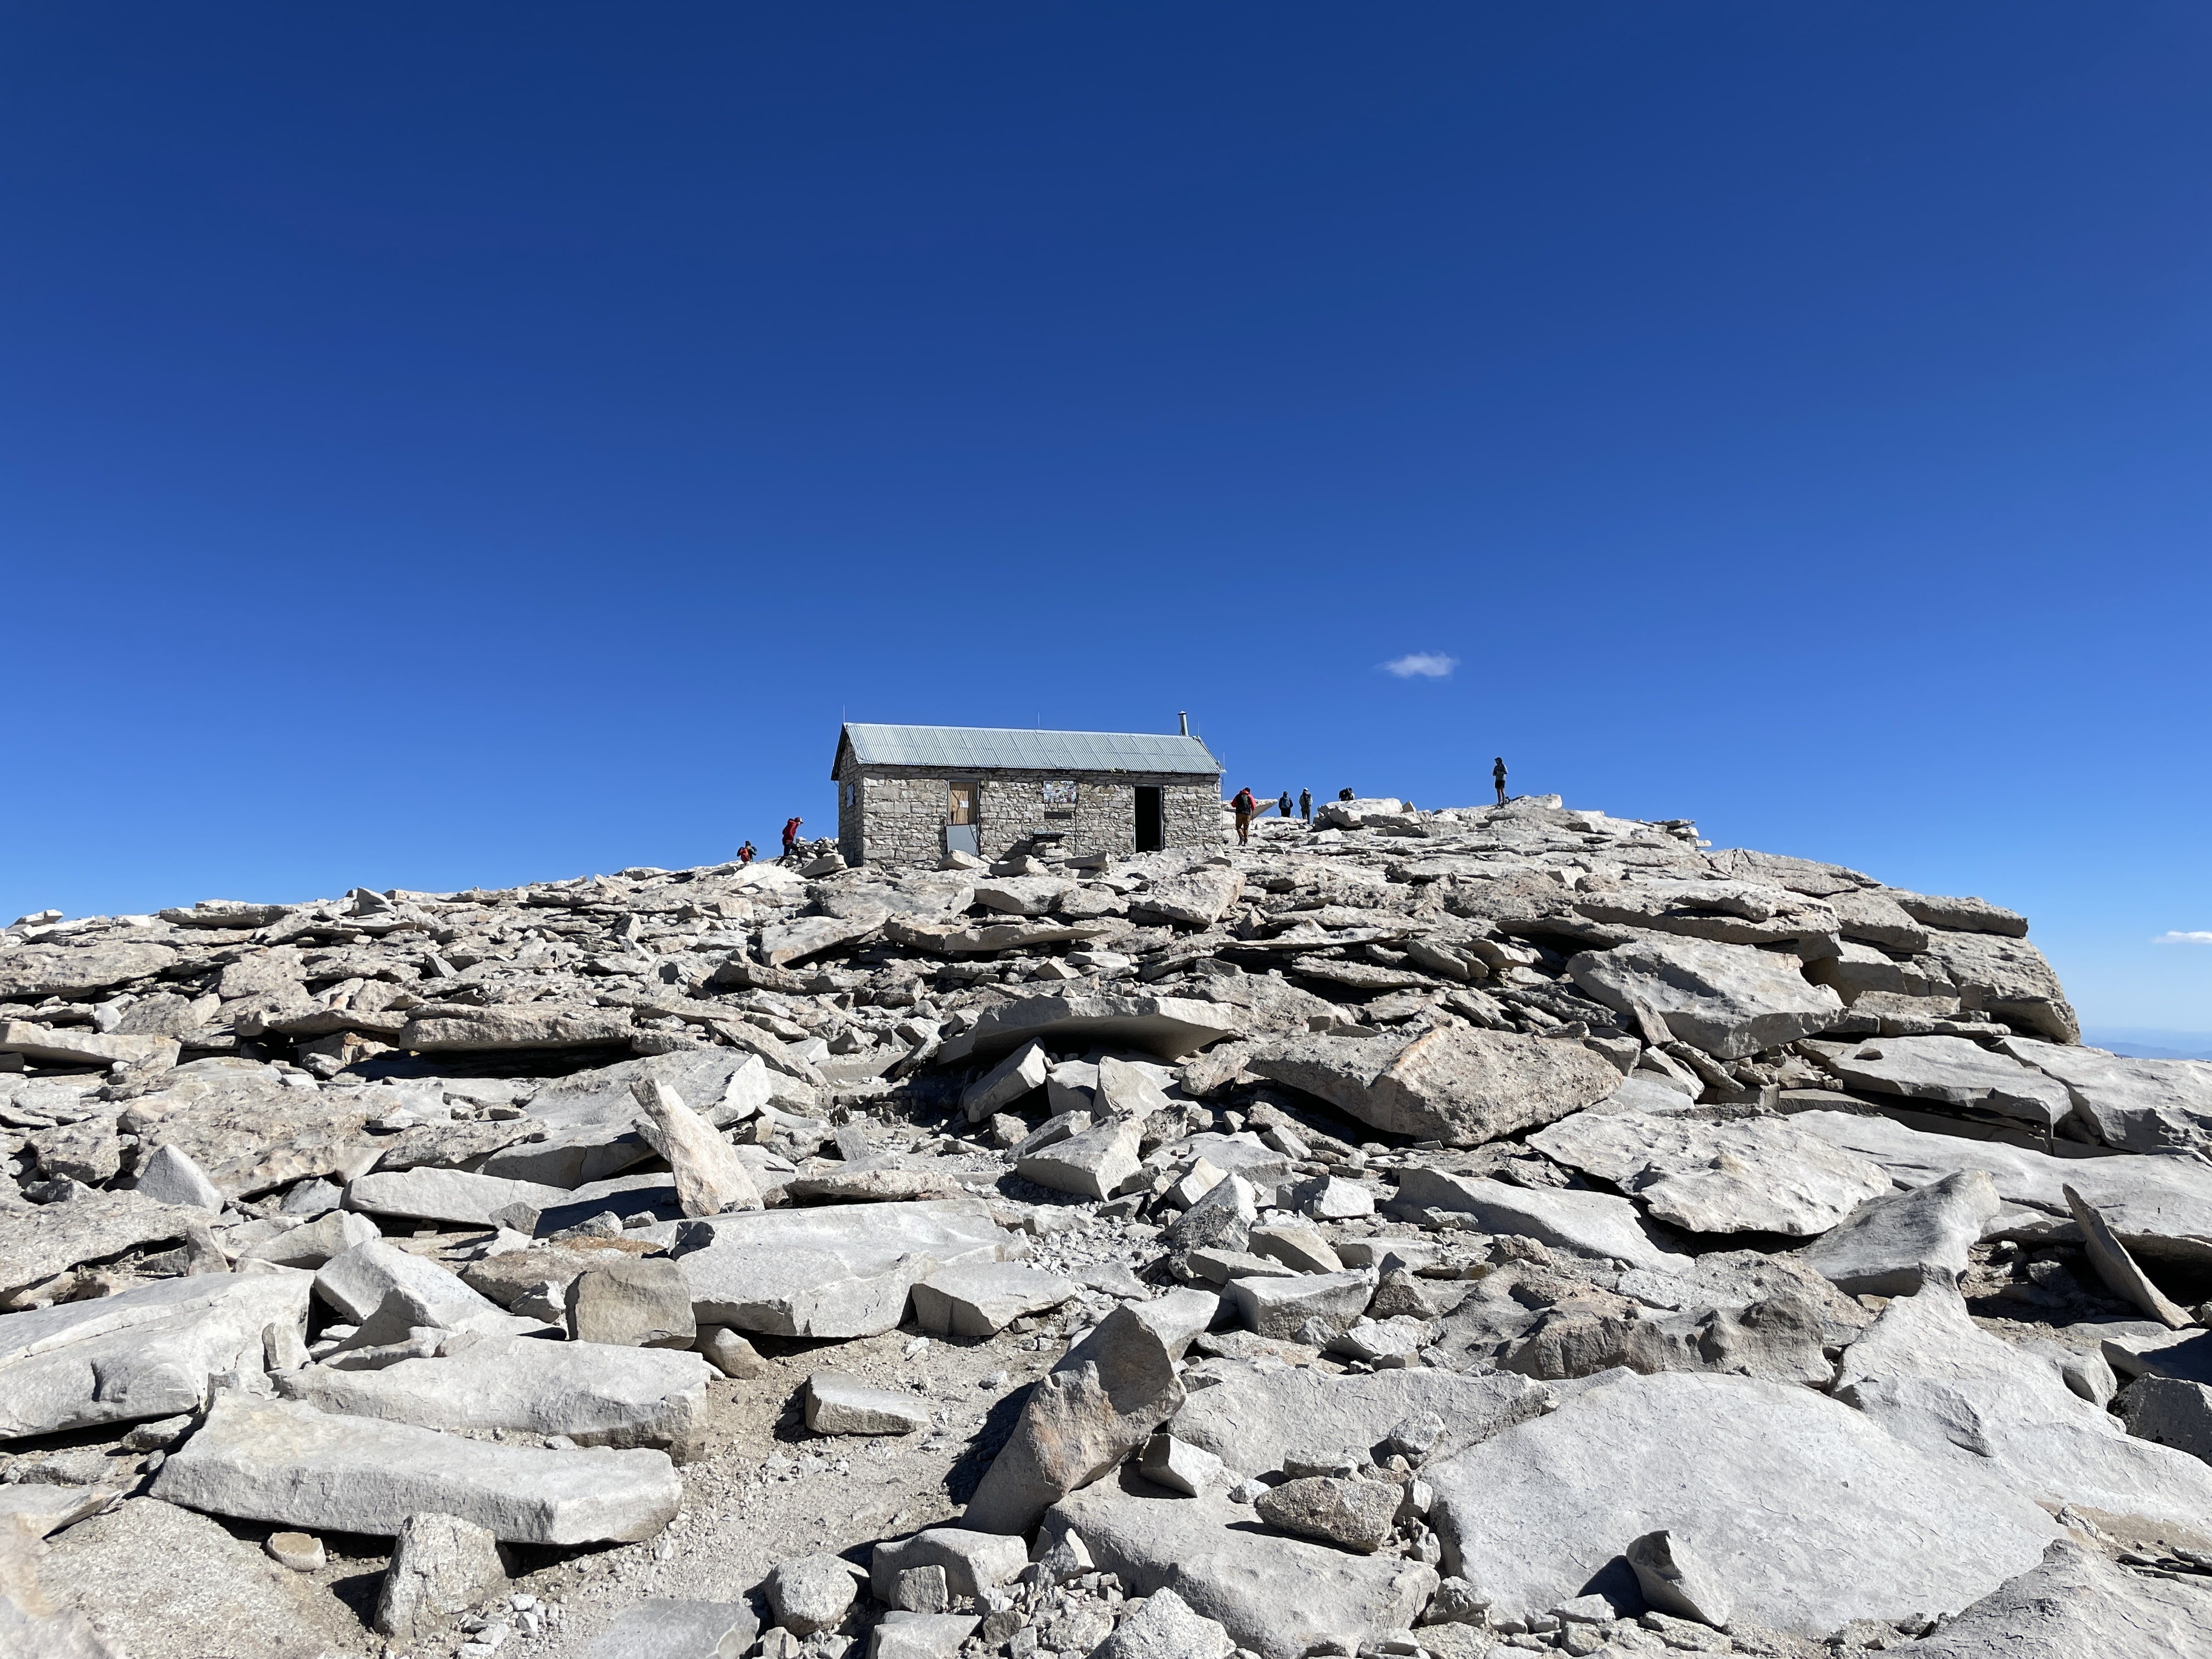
[1182, 717]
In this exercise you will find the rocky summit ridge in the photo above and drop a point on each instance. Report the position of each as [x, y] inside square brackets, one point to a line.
[1450, 1233]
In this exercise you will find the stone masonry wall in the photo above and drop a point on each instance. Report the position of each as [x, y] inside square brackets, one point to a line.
[896, 816]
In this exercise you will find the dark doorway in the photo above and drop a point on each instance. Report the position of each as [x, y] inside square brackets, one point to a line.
[1151, 832]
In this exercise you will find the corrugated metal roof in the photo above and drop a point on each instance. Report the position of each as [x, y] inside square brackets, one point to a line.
[956, 747]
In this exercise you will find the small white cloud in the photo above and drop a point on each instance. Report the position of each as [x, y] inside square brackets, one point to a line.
[2184, 939]
[1422, 665]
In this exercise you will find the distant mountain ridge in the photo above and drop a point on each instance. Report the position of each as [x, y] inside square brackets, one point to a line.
[2145, 1042]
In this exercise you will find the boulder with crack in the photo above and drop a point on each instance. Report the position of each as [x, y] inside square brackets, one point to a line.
[1457, 1084]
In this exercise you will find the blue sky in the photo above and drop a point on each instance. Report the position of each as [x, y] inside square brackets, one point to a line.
[451, 446]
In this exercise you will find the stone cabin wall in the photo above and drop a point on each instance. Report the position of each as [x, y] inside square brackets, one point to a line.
[896, 815]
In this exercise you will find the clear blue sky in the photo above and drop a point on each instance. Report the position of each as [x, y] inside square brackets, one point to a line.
[450, 445]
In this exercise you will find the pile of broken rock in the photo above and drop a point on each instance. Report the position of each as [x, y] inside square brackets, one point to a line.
[1426, 1233]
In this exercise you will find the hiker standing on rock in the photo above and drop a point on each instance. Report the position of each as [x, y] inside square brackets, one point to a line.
[1305, 806]
[1283, 806]
[790, 837]
[746, 853]
[1245, 808]
[1498, 777]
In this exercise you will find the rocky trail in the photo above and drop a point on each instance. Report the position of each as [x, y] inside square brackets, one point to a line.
[1453, 1233]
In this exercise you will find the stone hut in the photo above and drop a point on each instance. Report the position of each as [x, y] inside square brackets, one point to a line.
[909, 794]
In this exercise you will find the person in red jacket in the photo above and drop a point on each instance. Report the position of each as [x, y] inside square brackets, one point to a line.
[1246, 809]
[746, 853]
[791, 837]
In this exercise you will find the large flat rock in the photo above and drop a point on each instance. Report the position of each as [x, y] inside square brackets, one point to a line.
[1169, 1027]
[1761, 1174]
[253, 1133]
[38, 1241]
[164, 1582]
[453, 1027]
[290, 1463]
[839, 1271]
[454, 1195]
[1811, 1514]
[2160, 1208]
[1457, 1084]
[1934, 1379]
[1281, 1597]
[1729, 1000]
[32, 971]
[596, 1394]
[1253, 1419]
[1955, 1071]
[2134, 1105]
[1588, 1224]
[143, 1353]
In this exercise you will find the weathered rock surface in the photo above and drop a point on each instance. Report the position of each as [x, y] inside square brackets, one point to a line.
[2135, 1105]
[1590, 1223]
[454, 1195]
[1934, 1379]
[292, 1464]
[1256, 1420]
[144, 1353]
[1727, 1000]
[1281, 1597]
[1811, 1514]
[2075, 1603]
[2160, 1208]
[1764, 1175]
[666, 1627]
[837, 1404]
[441, 1565]
[1955, 1071]
[839, 1272]
[595, 1393]
[710, 1176]
[1893, 1244]
[1080, 1421]
[1458, 1085]
[1169, 1027]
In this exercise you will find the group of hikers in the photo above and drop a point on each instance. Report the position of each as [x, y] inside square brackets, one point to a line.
[1247, 807]
[748, 853]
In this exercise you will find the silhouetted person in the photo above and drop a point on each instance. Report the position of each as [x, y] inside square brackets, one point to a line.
[1245, 808]
[1346, 795]
[1283, 806]
[1305, 806]
[1498, 777]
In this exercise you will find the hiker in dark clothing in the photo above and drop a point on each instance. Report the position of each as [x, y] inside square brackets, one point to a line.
[1283, 806]
[1346, 795]
[1305, 806]
[1246, 809]
[746, 853]
[1498, 777]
